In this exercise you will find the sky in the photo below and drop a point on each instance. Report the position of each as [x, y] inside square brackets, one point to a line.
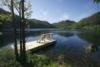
[58, 10]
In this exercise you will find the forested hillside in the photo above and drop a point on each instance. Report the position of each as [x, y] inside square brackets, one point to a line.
[34, 23]
[5, 21]
[66, 24]
[90, 21]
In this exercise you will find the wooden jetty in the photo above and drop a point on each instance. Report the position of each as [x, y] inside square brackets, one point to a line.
[44, 41]
[36, 45]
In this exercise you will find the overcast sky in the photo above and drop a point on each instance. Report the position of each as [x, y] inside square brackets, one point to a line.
[57, 10]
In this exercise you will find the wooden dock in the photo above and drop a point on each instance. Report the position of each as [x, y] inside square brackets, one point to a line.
[43, 41]
[36, 45]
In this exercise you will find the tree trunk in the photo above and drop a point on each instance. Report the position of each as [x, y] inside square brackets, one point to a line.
[22, 31]
[23, 27]
[21, 40]
[14, 30]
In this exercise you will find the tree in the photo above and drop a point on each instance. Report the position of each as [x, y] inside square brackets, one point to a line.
[97, 1]
[17, 6]
[23, 48]
[17, 3]
[13, 18]
[10, 5]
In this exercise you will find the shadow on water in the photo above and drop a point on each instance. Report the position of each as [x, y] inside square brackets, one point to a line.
[42, 49]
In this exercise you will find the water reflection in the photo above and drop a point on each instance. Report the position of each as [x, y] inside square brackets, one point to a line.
[1, 40]
[71, 45]
[92, 38]
[35, 33]
[66, 34]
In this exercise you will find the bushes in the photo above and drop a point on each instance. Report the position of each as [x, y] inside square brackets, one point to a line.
[38, 60]
[44, 61]
[7, 59]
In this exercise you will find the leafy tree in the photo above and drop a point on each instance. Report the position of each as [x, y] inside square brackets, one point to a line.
[17, 7]
[5, 18]
[97, 1]
[23, 12]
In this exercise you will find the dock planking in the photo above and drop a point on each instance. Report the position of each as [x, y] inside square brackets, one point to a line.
[36, 45]
[44, 41]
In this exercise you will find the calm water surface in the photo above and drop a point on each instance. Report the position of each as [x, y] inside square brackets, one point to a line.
[71, 45]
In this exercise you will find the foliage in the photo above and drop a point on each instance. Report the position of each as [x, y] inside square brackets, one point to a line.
[89, 21]
[67, 24]
[37, 60]
[5, 19]
[4, 16]
[7, 59]
[82, 24]
[17, 6]
[97, 1]
[39, 24]
[91, 34]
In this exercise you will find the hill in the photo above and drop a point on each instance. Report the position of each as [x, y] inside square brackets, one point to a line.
[5, 21]
[66, 24]
[90, 21]
[34, 23]
[93, 19]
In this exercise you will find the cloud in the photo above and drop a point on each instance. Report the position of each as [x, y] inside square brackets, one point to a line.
[45, 13]
[42, 15]
[64, 17]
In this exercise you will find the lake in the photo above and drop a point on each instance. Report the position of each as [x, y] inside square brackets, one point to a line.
[71, 45]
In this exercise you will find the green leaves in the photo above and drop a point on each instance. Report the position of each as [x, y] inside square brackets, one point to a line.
[97, 1]
[67, 24]
[17, 7]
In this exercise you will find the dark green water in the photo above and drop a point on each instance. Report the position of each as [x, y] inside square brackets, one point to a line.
[71, 45]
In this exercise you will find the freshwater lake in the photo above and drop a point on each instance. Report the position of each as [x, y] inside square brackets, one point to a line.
[70, 44]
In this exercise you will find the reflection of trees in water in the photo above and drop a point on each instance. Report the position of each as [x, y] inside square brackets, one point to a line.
[1, 40]
[91, 37]
[36, 33]
[66, 34]
[7, 36]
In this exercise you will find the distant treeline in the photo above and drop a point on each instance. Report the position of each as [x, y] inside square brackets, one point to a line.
[5, 21]
[88, 22]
